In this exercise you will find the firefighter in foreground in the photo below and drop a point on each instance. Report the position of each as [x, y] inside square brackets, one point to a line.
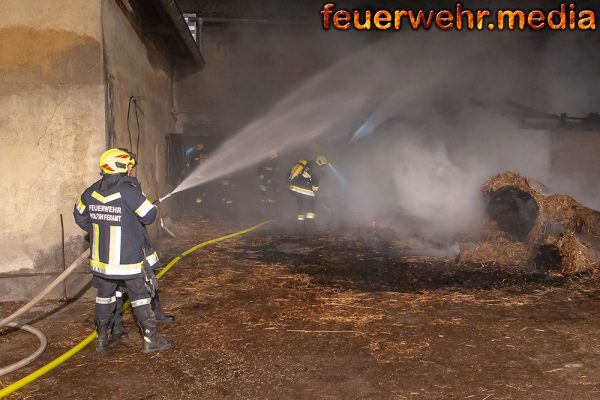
[304, 183]
[114, 211]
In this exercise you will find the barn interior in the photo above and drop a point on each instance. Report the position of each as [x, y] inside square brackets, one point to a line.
[452, 249]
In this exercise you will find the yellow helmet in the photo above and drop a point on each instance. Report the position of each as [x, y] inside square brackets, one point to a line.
[321, 160]
[116, 161]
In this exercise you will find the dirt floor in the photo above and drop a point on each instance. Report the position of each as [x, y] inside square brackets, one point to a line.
[331, 315]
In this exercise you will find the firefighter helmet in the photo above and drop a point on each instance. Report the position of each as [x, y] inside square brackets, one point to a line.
[116, 161]
[321, 161]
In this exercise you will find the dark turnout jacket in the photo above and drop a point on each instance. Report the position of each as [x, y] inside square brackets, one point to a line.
[304, 179]
[115, 219]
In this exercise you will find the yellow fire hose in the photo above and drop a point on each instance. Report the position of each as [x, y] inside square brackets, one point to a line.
[81, 345]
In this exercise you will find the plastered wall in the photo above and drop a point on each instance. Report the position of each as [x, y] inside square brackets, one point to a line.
[136, 67]
[60, 61]
[51, 125]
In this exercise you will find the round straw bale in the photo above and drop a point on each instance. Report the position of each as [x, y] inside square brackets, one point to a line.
[570, 215]
[565, 253]
[515, 205]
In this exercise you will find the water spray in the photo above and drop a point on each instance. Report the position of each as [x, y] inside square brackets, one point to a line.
[365, 129]
[340, 178]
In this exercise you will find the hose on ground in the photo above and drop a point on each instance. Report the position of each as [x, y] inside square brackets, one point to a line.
[8, 321]
[40, 350]
[90, 338]
[47, 290]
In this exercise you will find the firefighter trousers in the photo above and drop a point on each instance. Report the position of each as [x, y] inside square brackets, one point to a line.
[154, 305]
[106, 301]
[306, 207]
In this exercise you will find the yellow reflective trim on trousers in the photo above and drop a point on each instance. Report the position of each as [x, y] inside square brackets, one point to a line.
[106, 300]
[141, 302]
[106, 199]
[96, 243]
[144, 208]
[90, 338]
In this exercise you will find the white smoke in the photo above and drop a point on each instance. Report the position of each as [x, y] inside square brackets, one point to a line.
[433, 112]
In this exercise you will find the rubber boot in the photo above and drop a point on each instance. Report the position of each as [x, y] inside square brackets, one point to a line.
[104, 341]
[159, 313]
[156, 343]
[119, 333]
[153, 342]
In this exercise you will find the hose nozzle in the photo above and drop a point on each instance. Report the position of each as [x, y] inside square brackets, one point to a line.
[163, 198]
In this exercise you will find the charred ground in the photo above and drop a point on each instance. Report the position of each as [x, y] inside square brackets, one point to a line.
[334, 314]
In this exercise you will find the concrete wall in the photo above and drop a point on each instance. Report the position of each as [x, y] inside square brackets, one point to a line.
[61, 63]
[51, 125]
[136, 67]
[575, 165]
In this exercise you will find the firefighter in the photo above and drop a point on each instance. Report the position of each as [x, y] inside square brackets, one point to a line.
[195, 157]
[304, 183]
[268, 174]
[114, 212]
[150, 263]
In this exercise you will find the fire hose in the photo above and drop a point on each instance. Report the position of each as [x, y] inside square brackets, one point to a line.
[90, 338]
[25, 361]
[8, 321]
[47, 290]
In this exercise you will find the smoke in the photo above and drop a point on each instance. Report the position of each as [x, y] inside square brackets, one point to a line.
[417, 121]
[435, 140]
[325, 104]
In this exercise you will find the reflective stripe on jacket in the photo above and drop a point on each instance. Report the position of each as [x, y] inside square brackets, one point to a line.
[305, 182]
[115, 220]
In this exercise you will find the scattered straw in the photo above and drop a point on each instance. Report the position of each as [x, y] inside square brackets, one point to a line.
[576, 257]
[572, 216]
[498, 251]
[558, 214]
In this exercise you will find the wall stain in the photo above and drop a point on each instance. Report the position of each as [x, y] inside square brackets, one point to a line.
[51, 259]
[31, 58]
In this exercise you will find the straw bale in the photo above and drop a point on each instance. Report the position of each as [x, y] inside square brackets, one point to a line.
[572, 216]
[575, 256]
[514, 179]
[568, 249]
[510, 178]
